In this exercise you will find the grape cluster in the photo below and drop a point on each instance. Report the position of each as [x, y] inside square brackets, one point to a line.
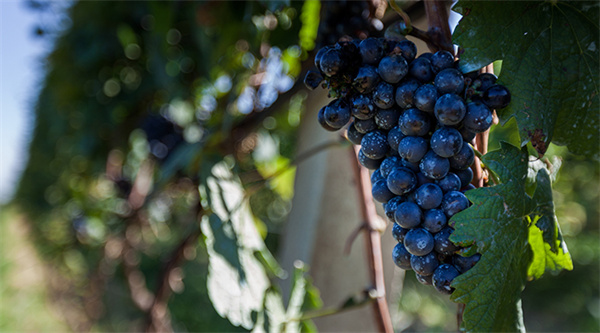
[414, 118]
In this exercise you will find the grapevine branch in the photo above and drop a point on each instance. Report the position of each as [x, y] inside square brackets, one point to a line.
[373, 240]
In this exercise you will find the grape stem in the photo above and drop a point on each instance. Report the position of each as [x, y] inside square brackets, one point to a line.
[403, 15]
[373, 240]
[440, 36]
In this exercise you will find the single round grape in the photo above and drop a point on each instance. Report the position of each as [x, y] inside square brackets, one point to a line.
[434, 220]
[414, 167]
[428, 196]
[413, 148]
[362, 107]
[424, 265]
[398, 232]
[365, 126]
[421, 70]
[401, 256]
[434, 166]
[332, 63]
[467, 188]
[467, 135]
[389, 164]
[319, 56]
[407, 49]
[463, 159]
[441, 60]
[383, 95]
[449, 183]
[312, 79]
[422, 179]
[393, 68]
[353, 135]
[387, 119]
[366, 79]
[446, 141]
[466, 176]
[443, 277]
[405, 93]
[425, 280]
[478, 118]
[484, 81]
[322, 122]
[425, 97]
[442, 243]
[408, 215]
[454, 202]
[374, 144]
[371, 50]
[395, 135]
[381, 192]
[401, 181]
[337, 114]
[391, 206]
[368, 163]
[426, 55]
[450, 109]
[450, 81]
[376, 175]
[463, 264]
[496, 97]
[414, 122]
[418, 242]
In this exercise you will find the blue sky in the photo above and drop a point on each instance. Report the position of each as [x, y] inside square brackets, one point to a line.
[20, 63]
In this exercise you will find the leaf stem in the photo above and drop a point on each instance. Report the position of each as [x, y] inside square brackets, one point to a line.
[403, 15]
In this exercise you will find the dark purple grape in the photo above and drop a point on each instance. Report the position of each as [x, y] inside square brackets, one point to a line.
[383, 95]
[353, 135]
[401, 180]
[408, 215]
[393, 68]
[398, 232]
[381, 192]
[319, 56]
[391, 206]
[414, 167]
[376, 175]
[401, 256]
[466, 176]
[496, 97]
[419, 242]
[312, 79]
[428, 196]
[362, 107]
[463, 264]
[414, 122]
[434, 166]
[441, 60]
[366, 79]
[322, 122]
[425, 280]
[332, 63]
[395, 135]
[450, 109]
[424, 265]
[422, 179]
[337, 114]
[374, 145]
[467, 188]
[443, 277]
[464, 158]
[387, 119]
[425, 97]
[434, 220]
[479, 117]
[389, 164]
[371, 50]
[407, 49]
[450, 81]
[446, 142]
[449, 183]
[467, 135]
[413, 148]
[454, 202]
[421, 70]
[484, 81]
[405, 93]
[368, 163]
[426, 55]
[365, 126]
[442, 243]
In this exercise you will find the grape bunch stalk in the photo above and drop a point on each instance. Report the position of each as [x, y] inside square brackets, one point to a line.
[414, 118]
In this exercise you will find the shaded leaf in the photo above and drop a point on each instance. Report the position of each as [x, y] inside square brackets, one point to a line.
[551, 64]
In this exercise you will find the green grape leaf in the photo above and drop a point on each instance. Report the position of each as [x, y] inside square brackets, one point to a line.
[497, 224]
[237, 281]
[551, 64]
